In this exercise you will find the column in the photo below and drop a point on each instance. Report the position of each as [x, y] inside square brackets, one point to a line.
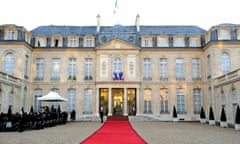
[138, 102]
[109, 101]
[125, 102]
[97, 101]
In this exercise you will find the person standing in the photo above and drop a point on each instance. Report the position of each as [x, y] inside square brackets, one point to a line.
[101, 112]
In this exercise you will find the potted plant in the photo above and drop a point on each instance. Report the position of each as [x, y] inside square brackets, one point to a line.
[211, 120]
[223, 119]
[174, 114]
[202, 116]
[237, 120]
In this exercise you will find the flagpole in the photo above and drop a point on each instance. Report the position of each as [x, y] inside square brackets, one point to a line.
[116, 12]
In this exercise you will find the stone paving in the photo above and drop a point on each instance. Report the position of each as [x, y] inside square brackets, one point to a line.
[152, 132]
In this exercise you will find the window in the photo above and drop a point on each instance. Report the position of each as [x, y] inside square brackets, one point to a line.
[39, 69]
[9, 63]
[55, 69]
[72, 69]
[147, 100]
[56, 43]
[26, 69]
[210, 96]
[196, 69]
[71, 100]
[180, 101]
[24, 98]
[11, 35]
[55, 104]
[163, 100]
[180, 69]
[87, 101]
[194, 42]
[225, 62]
[197, 100]
[88, 69]
[89, 42]
[234, 95]
[223, 34]
[179, 42]
[147, 69]
[40, 42]
[72, 42]
[162, 42]
[209, 68]
[146, 42]
[37, 103]
[163, 69]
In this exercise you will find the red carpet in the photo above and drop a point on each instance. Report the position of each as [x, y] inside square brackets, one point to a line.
[116, 130]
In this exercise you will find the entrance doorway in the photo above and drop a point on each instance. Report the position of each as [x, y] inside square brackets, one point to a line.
[117, 101]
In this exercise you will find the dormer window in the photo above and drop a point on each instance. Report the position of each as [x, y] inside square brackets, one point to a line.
[179, 42]
[56, 43]
[146, 42]
[11, 35]
[72, 42]
[40, 42]
[163, 41]
[195, 41]
[223, 34]
[89, 42]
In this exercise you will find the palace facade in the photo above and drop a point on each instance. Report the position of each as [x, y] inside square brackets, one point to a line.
[149, 69]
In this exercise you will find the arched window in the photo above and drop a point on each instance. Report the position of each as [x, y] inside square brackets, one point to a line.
[181, 101]
[225, 62]
[9, 63]
[24, 98]
[87, 101]
[147, 100]
[37, 103]
[117, 65]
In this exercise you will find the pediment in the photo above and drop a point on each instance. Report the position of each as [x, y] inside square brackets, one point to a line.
[117, 44]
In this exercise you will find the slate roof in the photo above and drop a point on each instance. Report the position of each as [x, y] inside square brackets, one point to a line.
[83, 30]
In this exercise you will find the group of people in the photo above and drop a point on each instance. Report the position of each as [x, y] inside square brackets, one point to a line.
[31, 120]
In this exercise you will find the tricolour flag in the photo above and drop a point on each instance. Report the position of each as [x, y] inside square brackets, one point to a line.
[116, 7]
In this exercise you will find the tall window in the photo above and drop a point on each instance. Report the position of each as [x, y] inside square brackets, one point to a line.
[11, 35]
[9, 63]
[39, 69]
[225, 62]
[72, 69]
[88, 69]
[194, 42]
[147, 69]
[71, 100]
[87, 109]
[55, 104]
[209, 68]
[223, 34]
[180, 101]
[146, 42]
[196, 69]
[40, 42]
[180, 69]
[24, 98]
[197, 100]
[162, 42]
[72, 42]
[55, 69]
[179, 42]
[147, 100]
[26, 69]
[37, 103]
[163, 69]
[163, 100]
[89, 42]
[210, 96]
[117, 65]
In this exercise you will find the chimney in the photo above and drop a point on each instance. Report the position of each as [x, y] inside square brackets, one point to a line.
[137, 22]
[99, 22]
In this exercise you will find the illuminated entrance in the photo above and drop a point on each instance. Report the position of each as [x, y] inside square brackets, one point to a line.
[118, 101]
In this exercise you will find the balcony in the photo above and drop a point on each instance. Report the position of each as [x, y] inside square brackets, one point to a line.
[228, 77]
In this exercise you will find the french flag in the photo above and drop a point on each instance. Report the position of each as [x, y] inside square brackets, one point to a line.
[116, 7]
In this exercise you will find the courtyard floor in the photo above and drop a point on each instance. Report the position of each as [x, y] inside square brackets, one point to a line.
[152, 132]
